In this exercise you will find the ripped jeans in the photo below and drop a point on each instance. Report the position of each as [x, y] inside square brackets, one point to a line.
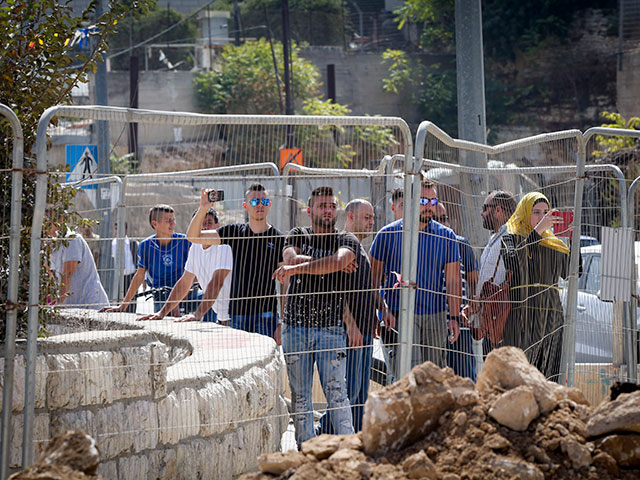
[326, 347]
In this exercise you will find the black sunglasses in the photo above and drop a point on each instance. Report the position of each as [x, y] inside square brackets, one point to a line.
[441, 219]
[487, 206]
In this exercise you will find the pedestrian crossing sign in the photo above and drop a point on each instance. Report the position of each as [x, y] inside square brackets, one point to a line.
[82, 163]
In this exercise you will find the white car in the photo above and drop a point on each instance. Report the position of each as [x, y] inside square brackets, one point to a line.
[594, 338]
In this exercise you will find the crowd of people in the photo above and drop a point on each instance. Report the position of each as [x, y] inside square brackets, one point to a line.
[336, 296]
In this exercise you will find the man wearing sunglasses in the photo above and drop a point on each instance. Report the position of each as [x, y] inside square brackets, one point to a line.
[437, 252]
[460, 354]
[257, 251]
[496, 210]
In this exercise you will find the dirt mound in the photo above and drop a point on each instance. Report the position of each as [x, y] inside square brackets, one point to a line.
[514, 425]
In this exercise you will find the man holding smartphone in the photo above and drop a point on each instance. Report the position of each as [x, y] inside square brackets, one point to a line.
[257, 251]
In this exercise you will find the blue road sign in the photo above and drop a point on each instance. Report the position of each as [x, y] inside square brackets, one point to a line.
[83, 164]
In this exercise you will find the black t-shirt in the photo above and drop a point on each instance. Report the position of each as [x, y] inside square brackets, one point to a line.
[255, 257]
[324, 305]
[362, 301]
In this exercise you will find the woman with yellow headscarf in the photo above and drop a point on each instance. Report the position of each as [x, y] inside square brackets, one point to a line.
[537, 259]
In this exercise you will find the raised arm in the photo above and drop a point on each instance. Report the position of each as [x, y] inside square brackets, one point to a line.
[195, 234]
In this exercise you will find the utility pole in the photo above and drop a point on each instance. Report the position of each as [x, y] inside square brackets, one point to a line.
[286, 42]
[236, 19]
[103, 192]
[471, 112]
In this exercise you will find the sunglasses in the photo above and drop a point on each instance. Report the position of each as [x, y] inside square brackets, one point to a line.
[428, 201]
[254, 202]
[487, 206]
[441, 219]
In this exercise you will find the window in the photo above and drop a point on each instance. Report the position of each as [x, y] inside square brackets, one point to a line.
[592, 282]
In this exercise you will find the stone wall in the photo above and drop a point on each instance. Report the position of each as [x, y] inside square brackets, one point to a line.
[162, 400]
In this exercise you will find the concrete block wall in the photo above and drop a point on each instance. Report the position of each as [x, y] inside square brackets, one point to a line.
[162, 400]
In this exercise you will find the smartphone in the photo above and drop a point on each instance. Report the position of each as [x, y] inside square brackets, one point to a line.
[216, 195]
[563, 228]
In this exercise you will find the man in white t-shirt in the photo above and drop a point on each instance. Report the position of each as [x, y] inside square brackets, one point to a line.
[204, 264]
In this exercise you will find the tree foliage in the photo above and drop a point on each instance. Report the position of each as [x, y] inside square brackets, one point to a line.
[246, 80]
[515, 36]
[38, 69]
[609, 144]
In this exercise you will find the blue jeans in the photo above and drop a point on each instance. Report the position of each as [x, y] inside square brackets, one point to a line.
[304, 346]
[460, 355]
[264, 323]
[358, 376]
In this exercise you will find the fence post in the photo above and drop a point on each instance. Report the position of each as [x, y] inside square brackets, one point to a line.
[633, 305]
[568, 362]
[12, 289]
[34, 285]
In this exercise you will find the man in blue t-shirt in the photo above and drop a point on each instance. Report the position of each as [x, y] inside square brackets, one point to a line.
[161, 259]
[460, 355]
[437, 252]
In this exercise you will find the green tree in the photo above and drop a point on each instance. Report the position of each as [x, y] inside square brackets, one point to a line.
[609, 144]
[38, 69]
[246, 84]
[516, 35]
[246, 80]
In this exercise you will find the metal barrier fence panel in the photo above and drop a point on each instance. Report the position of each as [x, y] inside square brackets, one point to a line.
[11, 178]
[317, 287]
[598, 348]
[222, 153]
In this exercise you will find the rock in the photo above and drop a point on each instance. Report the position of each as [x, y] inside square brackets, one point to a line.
[517, 468]
[347, 455]
[70, 456]
[606, 461]
[279, 462]
[419, 465]
[624, 449]
[460, 419]
[397, 415]
[515, 408]
[497, 442]
[506, 368]
[450, 476]
[538, 454]
[621, 415]
[578, 453]
[321, 447]
[569, 393]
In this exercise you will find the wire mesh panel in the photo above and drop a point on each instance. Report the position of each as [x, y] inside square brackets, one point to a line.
[499, 208]
[199, 274]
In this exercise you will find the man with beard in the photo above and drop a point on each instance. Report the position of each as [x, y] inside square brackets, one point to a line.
[316, 261]
[496, 210]
[437, 252]
[362, 302]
